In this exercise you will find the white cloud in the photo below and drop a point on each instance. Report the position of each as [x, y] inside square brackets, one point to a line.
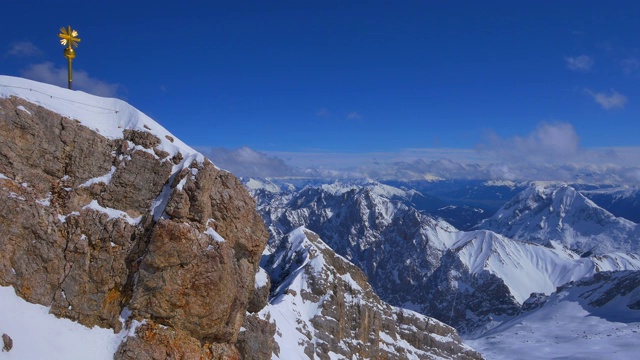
[549, 143]
[23, 48]
[579, 63]
[354, 116]
[48, 73]
[613, 100]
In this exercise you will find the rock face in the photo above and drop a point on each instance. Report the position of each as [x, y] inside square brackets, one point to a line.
[324, 308]
[92, 224]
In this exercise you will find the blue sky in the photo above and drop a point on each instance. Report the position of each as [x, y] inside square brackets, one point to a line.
[352, 77]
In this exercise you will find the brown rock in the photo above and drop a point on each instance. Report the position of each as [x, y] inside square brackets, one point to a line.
[257, 341]
[155, 342]
[7, 343]
[353, 322]
[88, 249]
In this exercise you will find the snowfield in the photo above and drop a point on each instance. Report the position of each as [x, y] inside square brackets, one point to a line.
[569, 326]
[36, 334]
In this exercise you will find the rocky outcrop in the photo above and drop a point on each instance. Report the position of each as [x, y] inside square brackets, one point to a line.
[257, 338]
[92, 224]
[323, 306]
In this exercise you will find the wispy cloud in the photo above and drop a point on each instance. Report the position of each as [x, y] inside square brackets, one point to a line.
[354, 116]
[630, 65]
[549, 142]
[48, 73]
[23, 48]
[579, 63]
[612, 100]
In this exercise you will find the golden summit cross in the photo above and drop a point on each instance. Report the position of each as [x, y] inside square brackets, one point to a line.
[69, 38]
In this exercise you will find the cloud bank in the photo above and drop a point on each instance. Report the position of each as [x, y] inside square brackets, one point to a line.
[551, 152]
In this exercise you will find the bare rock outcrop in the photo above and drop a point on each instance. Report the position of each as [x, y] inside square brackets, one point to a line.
[91, 224]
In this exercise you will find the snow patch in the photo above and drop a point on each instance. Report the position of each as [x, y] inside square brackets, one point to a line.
[261, 278]
[113, 213]
[20, 107]
[214, 235]
[105, 179]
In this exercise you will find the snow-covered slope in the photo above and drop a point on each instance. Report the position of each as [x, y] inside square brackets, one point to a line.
[548, 212]
[36, 334]
[526, 268]
[596, 318]
[107, 116]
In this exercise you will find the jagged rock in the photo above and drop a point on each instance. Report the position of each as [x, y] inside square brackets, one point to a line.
[7, 343]
[256, 340]
[181, 278]
[155, 342]
[323, 304]
[260, 296]
[535, 301]
[84, 230]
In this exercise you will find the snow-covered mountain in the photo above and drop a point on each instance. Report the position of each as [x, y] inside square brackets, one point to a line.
[467, 279]
[485, 278]
[551, 212]
[621, 201]
[594, 318]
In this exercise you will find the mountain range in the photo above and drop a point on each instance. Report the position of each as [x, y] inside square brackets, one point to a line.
[474, 280]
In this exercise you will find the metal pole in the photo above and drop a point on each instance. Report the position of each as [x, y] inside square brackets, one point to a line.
[70, 79]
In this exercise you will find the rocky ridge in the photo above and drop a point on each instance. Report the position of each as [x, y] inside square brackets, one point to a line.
[110, 221]
[324, 308]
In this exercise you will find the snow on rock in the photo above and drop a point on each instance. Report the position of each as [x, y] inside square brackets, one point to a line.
[113, 213]
[105, 179]
[262, 278]
[322, 304]
[108, 116]
[80, 174]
